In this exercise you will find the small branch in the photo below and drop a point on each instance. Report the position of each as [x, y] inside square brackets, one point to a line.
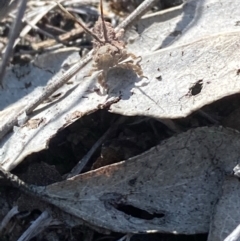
[8, 217]
[38, 226]
[103, 23]
[69, 15]
[126, 237]
[136, 14]
[82, 163]
[15, 29]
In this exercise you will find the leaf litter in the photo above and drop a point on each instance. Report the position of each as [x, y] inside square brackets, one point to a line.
[182, 79]
[174, 100]
[174, 186]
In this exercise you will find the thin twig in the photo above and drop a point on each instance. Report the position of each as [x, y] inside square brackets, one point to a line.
[35, 17]
[103, 23]
[135, 15]
[83, 162]
[12, 37]
[8, 217]
[36, 28]
[63, 38]
[69, 15]
[38, 226]
[208, 117]
[126, 237]
[50, 89]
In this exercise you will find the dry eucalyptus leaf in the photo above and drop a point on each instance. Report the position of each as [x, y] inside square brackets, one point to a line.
[70, 100]
[181, 79]
[192, 76]
[226, 216]
[174, 187]
[183, 24]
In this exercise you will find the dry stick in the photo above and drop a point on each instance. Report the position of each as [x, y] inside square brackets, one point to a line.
[36, 16]
[8, 217]
[63, 38]
[83, 162]
[126, 237]
[51, 36]
[37, 226]
[208, 117]
[135, 15]
[12, 37]
[103, 23]
[50, 89]
[82, 25]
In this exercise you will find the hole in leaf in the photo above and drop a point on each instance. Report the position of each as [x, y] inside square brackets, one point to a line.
[196, 89]
[137, 212]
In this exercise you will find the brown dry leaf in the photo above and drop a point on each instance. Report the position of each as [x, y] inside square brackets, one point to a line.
[173, 187]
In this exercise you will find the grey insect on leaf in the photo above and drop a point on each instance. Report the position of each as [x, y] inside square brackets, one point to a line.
[109, 50]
